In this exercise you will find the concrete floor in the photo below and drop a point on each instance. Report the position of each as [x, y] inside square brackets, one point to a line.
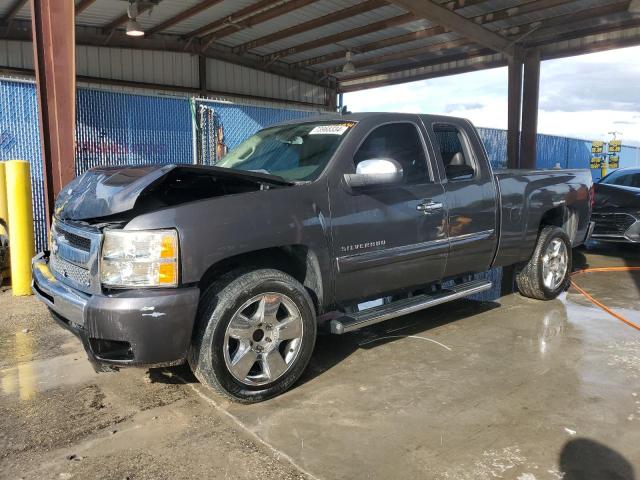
[514, 389]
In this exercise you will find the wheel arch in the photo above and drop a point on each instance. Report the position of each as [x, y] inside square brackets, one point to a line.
[299, 261]
[562, 216]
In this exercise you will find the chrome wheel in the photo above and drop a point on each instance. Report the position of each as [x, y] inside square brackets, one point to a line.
[263, 339]
[554, 264]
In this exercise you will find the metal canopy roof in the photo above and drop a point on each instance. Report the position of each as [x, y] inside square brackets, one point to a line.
[392, 41]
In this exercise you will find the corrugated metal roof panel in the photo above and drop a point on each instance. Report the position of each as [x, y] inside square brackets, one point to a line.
[360, 40]
[345, 24]
[228, 77]
[164, 10]
[218, 11]
[300, 15]
[405, 47]
[156, 67]
[101, 12]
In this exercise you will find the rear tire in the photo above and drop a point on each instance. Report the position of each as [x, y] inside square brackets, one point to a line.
[255, 334]
[548, 271]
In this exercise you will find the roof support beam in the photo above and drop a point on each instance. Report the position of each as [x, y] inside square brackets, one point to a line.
[526, 7]
[52, 23]
[524, 29]
[453, 21]
[255, 20]
[606, 37]
[82, 5]
[233, 18]
[468, 53]
[339, 37]
[514, 111]
[406, 54]
[530, 98]
[13, 11]
[189, 12]
[452, 65]
[332, 17]
[546, 30]
[364, 30]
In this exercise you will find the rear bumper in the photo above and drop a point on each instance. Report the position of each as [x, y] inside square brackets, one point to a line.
[128, 328]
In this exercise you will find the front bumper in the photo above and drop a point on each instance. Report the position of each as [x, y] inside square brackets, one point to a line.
[128, 328]
[616, 227]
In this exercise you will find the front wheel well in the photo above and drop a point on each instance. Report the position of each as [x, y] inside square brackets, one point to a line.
[299, 261]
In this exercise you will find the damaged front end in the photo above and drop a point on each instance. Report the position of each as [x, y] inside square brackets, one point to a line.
[119, 290]
[108, 192]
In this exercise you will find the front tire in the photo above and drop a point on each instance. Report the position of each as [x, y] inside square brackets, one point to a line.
[548, 271]
[255, 335]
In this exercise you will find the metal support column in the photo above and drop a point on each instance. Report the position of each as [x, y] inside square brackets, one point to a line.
[202, 74]
[52, 23]
[530, 96]
[514, 110]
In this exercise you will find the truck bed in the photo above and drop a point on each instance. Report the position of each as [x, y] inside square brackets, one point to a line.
[525, 194]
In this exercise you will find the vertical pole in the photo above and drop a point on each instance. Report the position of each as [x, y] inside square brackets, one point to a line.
[530, 97]
[202, 74]
[52, 23]
[514, 110]
[20, 225]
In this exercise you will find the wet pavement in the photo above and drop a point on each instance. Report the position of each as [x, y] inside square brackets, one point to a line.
[512, 388]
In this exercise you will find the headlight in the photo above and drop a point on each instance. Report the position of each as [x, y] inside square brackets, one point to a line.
[139, 258]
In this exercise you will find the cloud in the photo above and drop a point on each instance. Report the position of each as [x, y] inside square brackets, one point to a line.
[462, 106]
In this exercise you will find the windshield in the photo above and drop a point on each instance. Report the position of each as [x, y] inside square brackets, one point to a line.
[625, 178]
[296, 152]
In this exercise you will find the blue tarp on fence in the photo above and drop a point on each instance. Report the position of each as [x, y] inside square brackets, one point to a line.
[126, 129]
[20, 140]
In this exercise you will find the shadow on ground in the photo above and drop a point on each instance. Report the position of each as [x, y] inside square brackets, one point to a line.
[585, 459]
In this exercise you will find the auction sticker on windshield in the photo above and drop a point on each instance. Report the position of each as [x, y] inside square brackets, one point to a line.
[333, 129]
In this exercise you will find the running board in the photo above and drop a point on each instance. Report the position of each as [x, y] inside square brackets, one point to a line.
[354, 321]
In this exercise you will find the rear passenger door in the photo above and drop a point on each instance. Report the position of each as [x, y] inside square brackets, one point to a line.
[470, 195]
[383, 239]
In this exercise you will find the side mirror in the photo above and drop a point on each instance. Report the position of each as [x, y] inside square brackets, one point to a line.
[375, 173]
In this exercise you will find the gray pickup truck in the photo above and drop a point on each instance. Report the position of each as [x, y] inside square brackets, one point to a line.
[233, 268]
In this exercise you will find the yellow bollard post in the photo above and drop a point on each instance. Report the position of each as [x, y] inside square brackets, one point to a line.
[20, 210]
[4, 216]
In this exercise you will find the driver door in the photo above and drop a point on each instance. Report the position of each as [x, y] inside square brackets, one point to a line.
[389, 238]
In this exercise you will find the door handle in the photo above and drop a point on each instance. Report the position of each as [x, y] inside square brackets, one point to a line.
[429, 206]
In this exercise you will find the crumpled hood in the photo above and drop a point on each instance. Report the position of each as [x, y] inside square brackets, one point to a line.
[609, 196]
[104, 191]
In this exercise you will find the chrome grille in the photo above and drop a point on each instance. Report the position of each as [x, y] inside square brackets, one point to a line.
[76, 274]
[612, 223]
[76, 241]
[74, 255]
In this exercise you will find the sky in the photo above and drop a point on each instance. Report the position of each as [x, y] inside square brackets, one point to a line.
[582, 97]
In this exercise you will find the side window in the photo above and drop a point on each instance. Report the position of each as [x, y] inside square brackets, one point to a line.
[455, 152]
[402, 143]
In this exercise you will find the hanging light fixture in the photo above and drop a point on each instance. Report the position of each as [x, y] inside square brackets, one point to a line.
[349, 67]
[133, 27]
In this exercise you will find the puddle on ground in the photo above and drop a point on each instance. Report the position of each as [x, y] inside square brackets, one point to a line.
[28, 378]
